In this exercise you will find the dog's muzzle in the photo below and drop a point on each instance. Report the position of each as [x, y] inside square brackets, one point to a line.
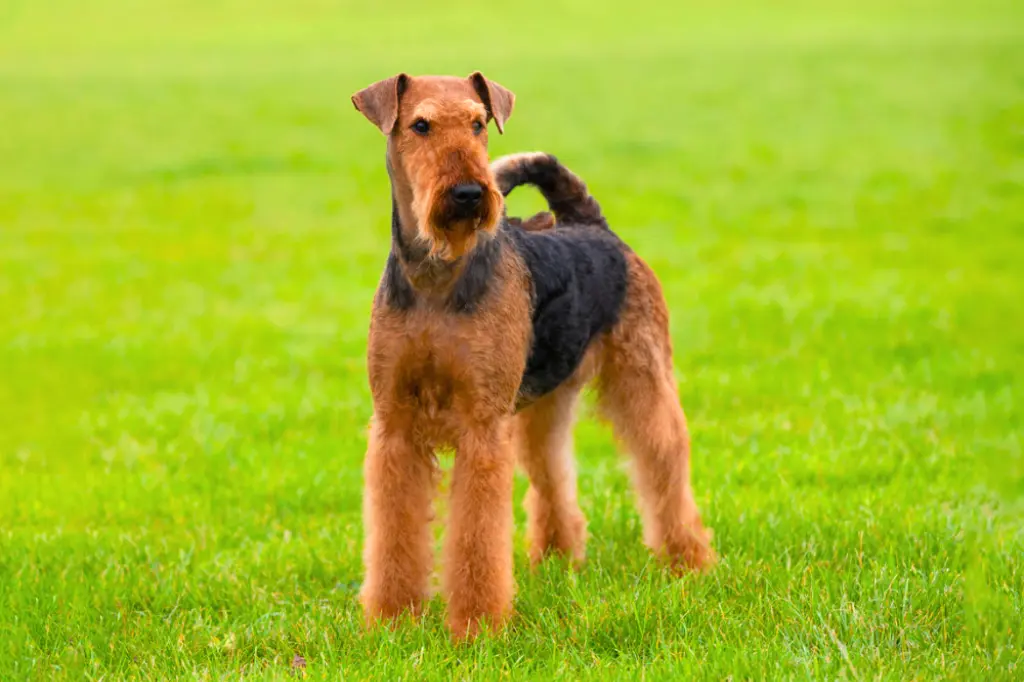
[465, 199]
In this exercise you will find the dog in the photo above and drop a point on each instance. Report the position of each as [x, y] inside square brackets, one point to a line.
[484, 330]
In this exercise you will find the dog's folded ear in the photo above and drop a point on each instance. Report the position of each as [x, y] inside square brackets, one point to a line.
[379, 102]
[498, 100]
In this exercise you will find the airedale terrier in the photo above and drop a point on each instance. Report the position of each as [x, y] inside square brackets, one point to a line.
[482, 335]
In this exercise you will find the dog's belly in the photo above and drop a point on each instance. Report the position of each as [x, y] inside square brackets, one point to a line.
[579, 282]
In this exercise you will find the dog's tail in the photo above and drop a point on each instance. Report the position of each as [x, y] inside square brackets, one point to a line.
[566, 194]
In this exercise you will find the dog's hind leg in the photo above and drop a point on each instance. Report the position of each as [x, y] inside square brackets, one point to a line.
[638, 395]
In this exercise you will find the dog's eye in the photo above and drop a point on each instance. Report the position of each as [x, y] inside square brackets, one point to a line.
[478, 127]
[421, 126]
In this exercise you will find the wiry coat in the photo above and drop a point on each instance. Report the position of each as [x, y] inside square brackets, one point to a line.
[483, 332]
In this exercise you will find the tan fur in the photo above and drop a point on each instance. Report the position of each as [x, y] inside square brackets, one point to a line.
[440, 379]
[443, 379]
[423, 168]
[638, 394]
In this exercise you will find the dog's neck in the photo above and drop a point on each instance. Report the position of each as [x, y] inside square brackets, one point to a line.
[425, 271]
[415, 274]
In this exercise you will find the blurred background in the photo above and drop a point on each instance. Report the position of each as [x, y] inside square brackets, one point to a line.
[193, 219]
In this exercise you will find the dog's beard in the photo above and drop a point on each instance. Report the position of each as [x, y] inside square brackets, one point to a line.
[448, 231]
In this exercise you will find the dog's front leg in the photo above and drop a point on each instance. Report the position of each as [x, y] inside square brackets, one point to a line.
[397, 509]
[478, 580]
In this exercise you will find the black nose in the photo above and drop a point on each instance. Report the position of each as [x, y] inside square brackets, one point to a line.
[467, 194]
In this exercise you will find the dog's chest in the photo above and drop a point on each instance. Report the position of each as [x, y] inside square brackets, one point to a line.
[429, 385]
[440, 367]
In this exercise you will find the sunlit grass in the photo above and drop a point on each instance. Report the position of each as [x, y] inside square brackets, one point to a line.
[192, 223]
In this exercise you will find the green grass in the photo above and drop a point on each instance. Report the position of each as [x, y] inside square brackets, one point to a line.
[192, 223]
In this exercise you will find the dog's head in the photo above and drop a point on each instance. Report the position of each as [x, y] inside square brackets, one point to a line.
[437, 152]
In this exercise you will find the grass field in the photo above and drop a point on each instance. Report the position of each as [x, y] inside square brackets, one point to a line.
[192, 223]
